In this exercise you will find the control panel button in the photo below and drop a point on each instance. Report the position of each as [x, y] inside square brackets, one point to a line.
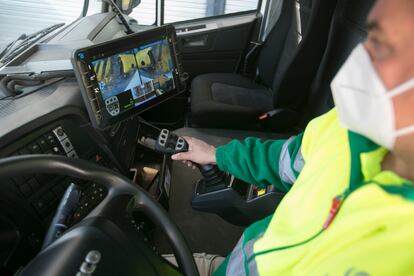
[60, 134]
[67, 145]
[34, 148]
[56, 150]
[51, 140]
[87, 268]
[93, 257]
[72, 154]
[44, 146]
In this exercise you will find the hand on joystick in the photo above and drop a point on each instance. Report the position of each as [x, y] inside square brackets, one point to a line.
[203, 156]
[199, 152]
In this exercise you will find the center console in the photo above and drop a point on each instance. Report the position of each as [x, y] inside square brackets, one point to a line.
[218, 192]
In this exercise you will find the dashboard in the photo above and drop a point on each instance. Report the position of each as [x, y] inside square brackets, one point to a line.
[51, 120]
[35, 197]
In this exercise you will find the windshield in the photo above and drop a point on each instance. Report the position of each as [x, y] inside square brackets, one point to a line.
[19, 17]
[27, 16]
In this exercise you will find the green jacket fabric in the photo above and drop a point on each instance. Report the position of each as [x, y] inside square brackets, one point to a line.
[342, 214]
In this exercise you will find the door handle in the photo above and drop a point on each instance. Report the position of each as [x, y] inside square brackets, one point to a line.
[195, 41]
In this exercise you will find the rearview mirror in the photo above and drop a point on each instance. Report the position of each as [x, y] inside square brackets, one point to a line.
[127, 6]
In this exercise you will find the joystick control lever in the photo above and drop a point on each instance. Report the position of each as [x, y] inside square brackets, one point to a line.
[170, 143]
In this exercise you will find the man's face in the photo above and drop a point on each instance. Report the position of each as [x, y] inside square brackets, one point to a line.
[390, 45]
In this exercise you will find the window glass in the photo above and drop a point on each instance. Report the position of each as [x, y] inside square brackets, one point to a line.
[27, 16]
[145, 12]
[95, 6]
[233, 6]
[180, 10]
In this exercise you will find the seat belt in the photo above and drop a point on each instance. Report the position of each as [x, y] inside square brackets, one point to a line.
[250, 59]
[279, 119]
[271, 16]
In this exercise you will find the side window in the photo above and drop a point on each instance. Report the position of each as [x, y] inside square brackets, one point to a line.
[145, 13]
[181, 10]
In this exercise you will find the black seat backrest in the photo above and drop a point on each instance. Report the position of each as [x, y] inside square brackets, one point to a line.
[297, 66]
[347, 30]
[274, 45]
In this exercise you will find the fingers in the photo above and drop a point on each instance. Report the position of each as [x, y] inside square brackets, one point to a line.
[190, 164]
[181, 156]
[185, 158]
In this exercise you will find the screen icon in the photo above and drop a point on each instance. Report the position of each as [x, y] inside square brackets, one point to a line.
[112, 106]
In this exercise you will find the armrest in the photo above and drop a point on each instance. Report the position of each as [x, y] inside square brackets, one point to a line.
[238, 203]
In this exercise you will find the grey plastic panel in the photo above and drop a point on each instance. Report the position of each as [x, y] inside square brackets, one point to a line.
[84, 32]
[22, 115]
[213, 24]
[82, 28]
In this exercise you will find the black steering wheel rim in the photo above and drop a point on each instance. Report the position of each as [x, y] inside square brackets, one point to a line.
[116, 185]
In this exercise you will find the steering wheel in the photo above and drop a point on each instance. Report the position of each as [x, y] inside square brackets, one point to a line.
[107, 229]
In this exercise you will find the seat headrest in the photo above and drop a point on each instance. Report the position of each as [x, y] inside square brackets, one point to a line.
[347, 30]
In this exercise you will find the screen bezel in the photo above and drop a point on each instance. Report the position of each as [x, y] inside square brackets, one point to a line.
[121, 45]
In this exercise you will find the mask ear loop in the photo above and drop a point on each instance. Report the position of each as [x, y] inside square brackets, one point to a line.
[405, 87]
[402, 88]
[404, 131]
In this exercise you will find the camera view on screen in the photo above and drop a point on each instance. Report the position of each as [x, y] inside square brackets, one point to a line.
[133, 77]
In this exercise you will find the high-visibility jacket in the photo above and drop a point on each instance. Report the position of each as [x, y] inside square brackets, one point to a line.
[342, 215]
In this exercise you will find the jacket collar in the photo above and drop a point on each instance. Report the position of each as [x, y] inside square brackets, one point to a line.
[366, 161]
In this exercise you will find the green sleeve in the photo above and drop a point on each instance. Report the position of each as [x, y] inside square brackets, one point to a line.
[272, 162]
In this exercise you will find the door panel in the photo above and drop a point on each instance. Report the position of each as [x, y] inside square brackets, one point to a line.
[214, 45]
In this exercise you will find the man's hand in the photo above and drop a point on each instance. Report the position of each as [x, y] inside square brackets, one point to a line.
[198, 152]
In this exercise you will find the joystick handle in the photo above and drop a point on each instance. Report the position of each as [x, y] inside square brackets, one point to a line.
[211, 174]
[171, 143]
[205, 168]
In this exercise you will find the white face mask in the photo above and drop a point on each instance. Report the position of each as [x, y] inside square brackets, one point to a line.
[364, 105]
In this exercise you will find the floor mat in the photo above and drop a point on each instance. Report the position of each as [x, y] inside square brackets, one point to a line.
[204, 232]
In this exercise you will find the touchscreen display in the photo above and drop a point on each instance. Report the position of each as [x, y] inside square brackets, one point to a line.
[133, 77]
[126, 76]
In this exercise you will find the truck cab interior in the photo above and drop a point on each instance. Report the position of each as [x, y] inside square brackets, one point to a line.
[92, 109]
